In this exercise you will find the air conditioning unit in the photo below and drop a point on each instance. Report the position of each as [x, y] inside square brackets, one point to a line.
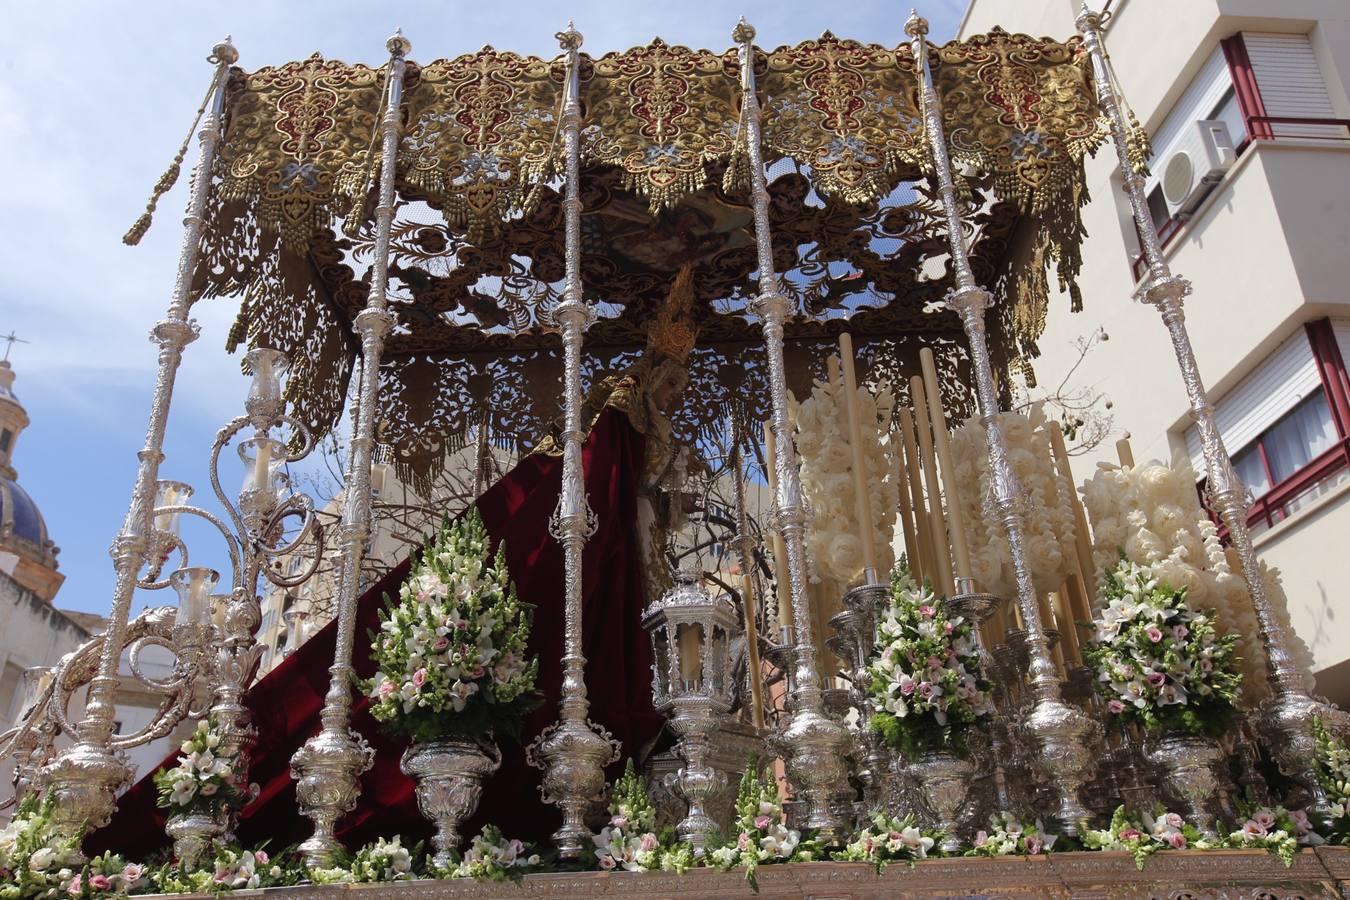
[1201, 155]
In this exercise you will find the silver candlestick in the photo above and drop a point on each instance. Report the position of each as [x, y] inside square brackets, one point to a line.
[692, 684]
[816, 744]
[1064, 735]
[574, 751]
[328, 767]
[1288, 715]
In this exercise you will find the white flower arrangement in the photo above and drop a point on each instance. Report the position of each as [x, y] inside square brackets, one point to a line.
[1049, 516]
[1158, 661]
[492, 857]
[629, 840]
[450, 655]
[761, 837]
[1332, 760]
[35, 861]
[1276, 829]
[1009, 836]
[926, 680]
[1143, 835]
[887, 840]
[1151, 513]
[833, 537]
[384, 860]
[205, 777]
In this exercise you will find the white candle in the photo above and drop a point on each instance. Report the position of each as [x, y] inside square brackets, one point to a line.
[262, 480]
[861, 500]
[167, 522]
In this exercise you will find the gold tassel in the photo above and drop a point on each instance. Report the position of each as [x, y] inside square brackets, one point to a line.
[170, 176]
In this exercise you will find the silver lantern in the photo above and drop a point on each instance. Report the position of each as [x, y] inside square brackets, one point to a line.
[692, 685]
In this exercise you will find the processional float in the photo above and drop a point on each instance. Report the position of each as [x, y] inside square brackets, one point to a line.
[902, 198]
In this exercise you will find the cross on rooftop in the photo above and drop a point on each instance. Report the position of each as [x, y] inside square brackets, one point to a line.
[11, 340]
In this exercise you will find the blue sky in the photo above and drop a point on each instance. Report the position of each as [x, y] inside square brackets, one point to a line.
[94, 99]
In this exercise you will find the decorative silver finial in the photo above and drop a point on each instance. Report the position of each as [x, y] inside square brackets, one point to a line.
[744, 32]
[398, 45]
[224, 52]
[569, 38]
[916, 24]
[1086, 18]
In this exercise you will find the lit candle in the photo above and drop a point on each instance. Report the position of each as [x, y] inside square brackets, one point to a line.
[690, 638]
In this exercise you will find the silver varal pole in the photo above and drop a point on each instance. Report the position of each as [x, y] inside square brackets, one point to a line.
[573, 751]
[816, 744]
[1064, 735]
[1287, 716]
[328, 767]
[87, 775]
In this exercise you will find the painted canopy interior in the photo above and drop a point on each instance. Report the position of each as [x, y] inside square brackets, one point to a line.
[477, 259]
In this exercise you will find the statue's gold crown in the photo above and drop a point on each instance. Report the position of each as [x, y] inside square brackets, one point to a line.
[672, 333]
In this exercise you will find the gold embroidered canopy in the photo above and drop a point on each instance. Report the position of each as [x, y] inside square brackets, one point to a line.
[477, 253]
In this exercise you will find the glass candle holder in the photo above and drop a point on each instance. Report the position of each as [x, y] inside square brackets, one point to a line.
[264, 461]
[269, 368]
[193, 586]
[170, 493]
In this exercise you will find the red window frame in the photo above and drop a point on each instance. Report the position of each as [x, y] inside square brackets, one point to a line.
[1269, 508]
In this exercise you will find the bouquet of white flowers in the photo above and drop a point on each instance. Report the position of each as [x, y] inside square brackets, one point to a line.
[926, 679]
[35, 861]
[384, 860]
[887, 840]
[1159, 662]
[1333, 772]
[1278, 830]
[450, 654]
[205, 778]
[760, 835]
[492, 857]
[1142, 836]
[629, 841]
[1008, 836]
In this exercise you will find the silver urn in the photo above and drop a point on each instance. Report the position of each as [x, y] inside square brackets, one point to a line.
[449, 776]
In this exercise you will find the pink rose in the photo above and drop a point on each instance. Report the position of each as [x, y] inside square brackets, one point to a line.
[442, 643]
[1176, 840]
[947, 627]
[743, 842]
[1264, 818]
[386, 688]
[516, 846]
[926, 690]
[1115, 707]
[1154, 633]
[1034, 846]
[934, 662]
[607, 862]
[1254, 829]
[926, 611]
[1180, 631]
[99, 882]
[419, 678]
[1130, 834]
[981, 838]
[462, 624]
[619, 821]
[133, 873]
[76, 886]
[648, 842]
[1172, 820]
[1156, 679]
[261, 857]
[762, 822]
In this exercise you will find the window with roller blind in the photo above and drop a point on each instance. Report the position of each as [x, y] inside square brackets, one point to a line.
[1285, 425]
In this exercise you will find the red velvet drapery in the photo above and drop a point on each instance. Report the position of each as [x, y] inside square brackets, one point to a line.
[516, 510]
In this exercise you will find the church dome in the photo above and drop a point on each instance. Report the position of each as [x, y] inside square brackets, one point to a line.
[21, 521]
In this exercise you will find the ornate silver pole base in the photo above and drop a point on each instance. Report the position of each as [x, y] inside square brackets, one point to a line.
[327, 770]
[86, 780]
[944, 781]
[697, 780]
[573, 754]
[194, 836]
[1067, 741]
[816, 767]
